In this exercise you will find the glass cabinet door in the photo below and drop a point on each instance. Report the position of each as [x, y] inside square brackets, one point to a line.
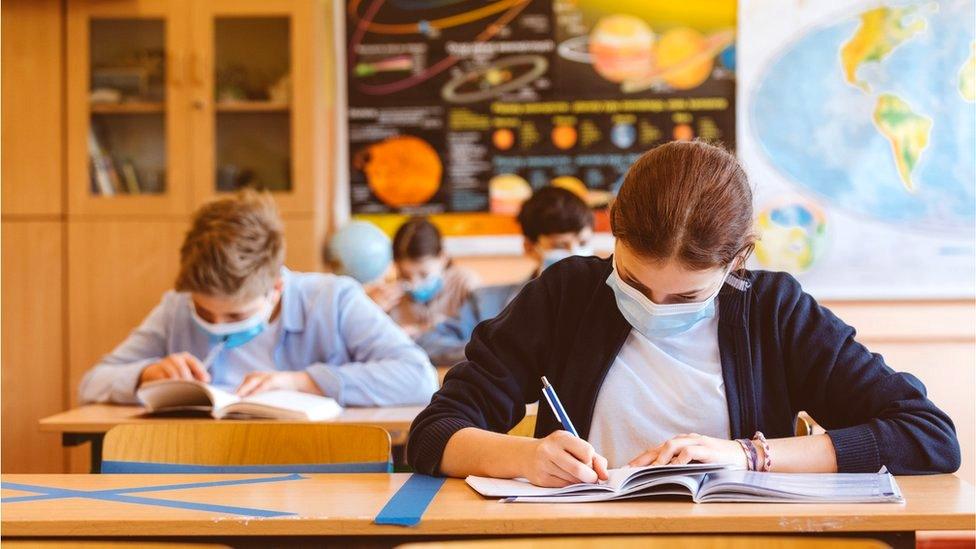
[252, 96]
[252, 108]
[126, 134]
[127, 98]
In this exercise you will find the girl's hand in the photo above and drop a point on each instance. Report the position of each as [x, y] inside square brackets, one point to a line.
[385, 294]
[561, 459]
[259, 382]
[686, 448]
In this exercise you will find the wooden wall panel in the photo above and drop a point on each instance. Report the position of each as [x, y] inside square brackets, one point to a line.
[302, 249]
[117, 272]
[32, 358]
[32, 107]
[948, 370]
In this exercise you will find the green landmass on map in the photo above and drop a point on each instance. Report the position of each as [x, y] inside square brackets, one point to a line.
[882, 30]
[906, 131]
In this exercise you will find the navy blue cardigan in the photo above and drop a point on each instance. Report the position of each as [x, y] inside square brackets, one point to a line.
[781, 353]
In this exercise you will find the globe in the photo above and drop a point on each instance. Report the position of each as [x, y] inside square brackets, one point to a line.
[361, 250]
[870, 114]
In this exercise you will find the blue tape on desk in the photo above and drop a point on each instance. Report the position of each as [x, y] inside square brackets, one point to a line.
[141, 467]
[409, 503]
[120, 495]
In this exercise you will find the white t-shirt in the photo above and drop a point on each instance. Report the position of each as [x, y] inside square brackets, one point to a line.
[659, 388]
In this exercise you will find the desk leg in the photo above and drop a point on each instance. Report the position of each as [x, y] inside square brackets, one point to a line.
[77, 439]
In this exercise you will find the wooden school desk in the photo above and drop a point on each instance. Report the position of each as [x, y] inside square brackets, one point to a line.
[90, 423]
[344, 505]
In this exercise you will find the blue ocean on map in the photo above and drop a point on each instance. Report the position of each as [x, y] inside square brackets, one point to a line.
[817, 129]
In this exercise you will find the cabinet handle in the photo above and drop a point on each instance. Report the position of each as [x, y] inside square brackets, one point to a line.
[198, 69]
[176, 68]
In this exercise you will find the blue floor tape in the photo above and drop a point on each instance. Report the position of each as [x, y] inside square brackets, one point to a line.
[140, 467]
[121, 495]
[409, 503]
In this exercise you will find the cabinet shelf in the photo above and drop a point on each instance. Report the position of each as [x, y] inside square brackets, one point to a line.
[252, 106]
[128, 108]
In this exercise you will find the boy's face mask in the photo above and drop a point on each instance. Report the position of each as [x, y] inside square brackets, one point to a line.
[237, 333]
[551, 257]
[552, 248]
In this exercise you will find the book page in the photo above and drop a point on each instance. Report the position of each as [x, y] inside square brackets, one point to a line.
[221, 398]
[800, 487]
[175, 394]
[280, 404]
[501, 487]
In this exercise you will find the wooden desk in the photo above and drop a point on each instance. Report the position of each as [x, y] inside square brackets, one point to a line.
[90, 423]
[345, 505]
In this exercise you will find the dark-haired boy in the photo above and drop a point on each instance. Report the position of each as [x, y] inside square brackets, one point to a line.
[556, 224]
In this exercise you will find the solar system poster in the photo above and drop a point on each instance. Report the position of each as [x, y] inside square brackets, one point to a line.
[459, 109]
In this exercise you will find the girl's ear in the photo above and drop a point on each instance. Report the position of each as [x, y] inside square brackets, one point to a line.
[740, 259]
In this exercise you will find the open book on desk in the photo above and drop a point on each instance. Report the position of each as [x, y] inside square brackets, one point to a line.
[704, 483]
[180, 395]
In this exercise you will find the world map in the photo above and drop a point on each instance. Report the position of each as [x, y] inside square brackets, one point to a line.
[881, 111]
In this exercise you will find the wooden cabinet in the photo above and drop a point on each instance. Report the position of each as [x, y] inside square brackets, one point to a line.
[171, 102]
[32, 108]
[126, 94]
[33, 344]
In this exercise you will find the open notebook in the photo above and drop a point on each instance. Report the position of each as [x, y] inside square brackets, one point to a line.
[704, 483]
[178, 395]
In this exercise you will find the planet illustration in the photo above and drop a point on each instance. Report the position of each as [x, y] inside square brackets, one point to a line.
[402, 170]
[623, 49]
[792, 233]
[563, 136]
[501, 76]
[593, 198]
[683, 132]
[506, 193]
[623, 135]
[503, 139]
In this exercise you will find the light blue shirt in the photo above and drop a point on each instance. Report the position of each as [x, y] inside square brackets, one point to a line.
[326, 326]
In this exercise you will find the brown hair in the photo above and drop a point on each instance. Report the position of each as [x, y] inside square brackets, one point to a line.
[686, 200]
[235, 247]
[415, 239]
[553, 210]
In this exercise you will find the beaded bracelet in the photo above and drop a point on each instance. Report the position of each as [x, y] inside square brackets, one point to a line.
[752, 457]
[767, 463]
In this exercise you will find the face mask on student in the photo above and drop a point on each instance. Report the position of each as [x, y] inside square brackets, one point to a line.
[653, 320]
[235, 334]
[550, 257]
[424, 291]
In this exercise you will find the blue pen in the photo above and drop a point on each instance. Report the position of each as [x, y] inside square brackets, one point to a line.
[557, 407]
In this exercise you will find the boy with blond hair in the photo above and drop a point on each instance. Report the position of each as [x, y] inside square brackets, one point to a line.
[261, 326]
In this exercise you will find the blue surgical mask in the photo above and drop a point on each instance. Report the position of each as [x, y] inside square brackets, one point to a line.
[653, 320]
[551, 257]
[234, 334]
[426, 290]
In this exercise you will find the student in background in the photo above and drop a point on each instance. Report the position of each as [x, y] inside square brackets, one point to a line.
[263, 327]
[671, 352]
[555, 224]
[429, 287]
